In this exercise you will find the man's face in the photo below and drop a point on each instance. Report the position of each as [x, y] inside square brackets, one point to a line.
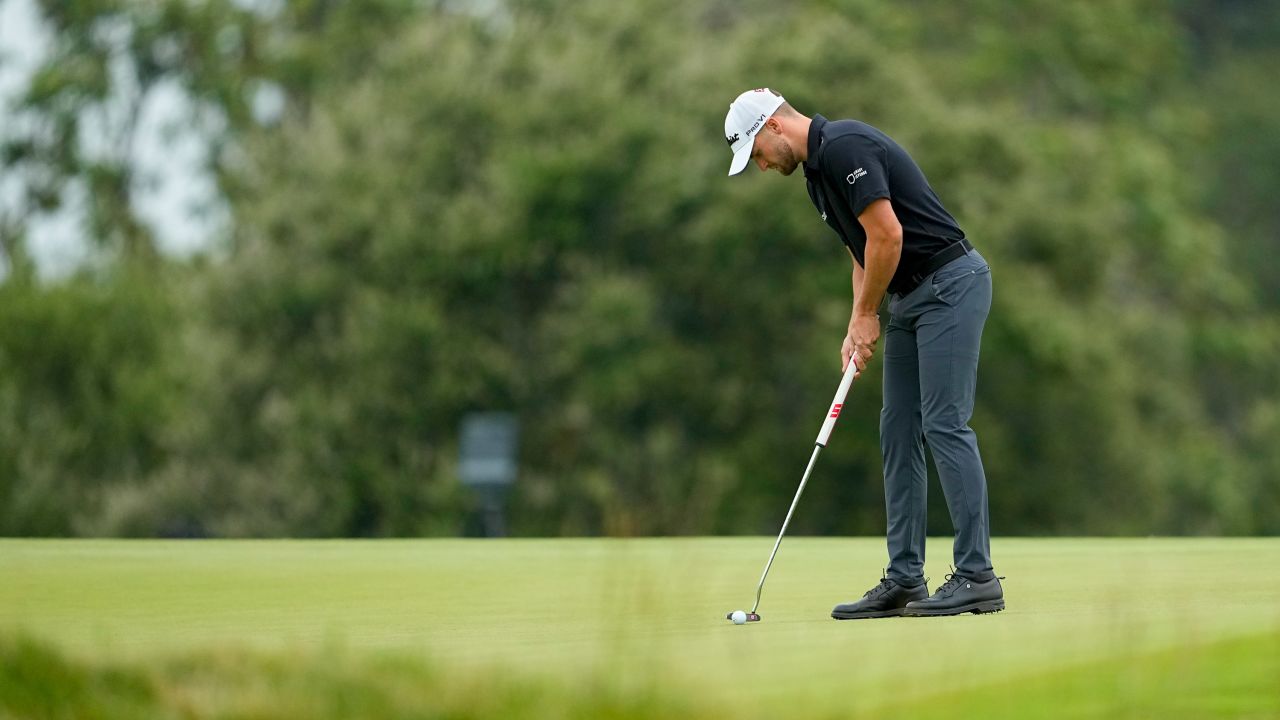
[770, 151]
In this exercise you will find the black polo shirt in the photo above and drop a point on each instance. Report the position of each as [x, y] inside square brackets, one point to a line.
[851, 164]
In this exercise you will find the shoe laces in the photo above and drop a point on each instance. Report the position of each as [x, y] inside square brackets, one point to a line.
[952, 581]
[884, 586]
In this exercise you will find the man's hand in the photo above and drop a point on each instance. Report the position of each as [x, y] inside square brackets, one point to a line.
[847, 352]
[860, 343]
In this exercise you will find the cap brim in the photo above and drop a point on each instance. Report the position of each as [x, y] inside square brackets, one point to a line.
[740, 159]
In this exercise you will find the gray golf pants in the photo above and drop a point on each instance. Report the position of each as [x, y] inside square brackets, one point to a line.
[930, 377]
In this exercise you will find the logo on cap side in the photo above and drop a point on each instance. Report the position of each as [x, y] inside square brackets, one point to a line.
[732, 139]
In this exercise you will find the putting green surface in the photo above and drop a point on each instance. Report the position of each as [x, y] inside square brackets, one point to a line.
[1094, 627]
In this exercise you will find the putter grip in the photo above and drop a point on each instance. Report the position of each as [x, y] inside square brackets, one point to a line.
[834, 412]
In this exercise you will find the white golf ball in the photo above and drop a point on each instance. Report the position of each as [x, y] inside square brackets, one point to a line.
[738, 617]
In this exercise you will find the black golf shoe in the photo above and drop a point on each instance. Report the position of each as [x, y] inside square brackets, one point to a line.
[884, 600]
[960, 595]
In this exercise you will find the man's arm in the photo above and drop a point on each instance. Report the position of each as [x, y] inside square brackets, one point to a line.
[884, 248]
[846, 350]
[857, 276]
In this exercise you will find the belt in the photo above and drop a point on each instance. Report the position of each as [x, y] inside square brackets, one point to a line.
[930, 266]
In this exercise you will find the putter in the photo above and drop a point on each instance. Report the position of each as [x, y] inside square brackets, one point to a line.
[824, 434]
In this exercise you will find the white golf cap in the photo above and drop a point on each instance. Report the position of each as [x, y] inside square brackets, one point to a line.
[746, 116]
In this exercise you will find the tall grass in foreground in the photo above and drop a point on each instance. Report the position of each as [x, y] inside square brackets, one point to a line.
[37, 681]
[1235, 678]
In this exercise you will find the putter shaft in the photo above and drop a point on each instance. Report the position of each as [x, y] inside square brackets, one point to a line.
[760, 588]
[829, 424]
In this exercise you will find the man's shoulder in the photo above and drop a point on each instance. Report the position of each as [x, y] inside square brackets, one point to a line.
[852, 129]
[842, 138]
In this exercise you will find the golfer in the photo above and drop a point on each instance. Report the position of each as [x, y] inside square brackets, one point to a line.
[905, 244]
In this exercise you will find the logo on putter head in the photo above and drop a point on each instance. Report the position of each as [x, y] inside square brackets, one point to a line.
[732, 139]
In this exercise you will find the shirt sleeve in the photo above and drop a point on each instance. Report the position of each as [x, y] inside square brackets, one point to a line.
[856, 167]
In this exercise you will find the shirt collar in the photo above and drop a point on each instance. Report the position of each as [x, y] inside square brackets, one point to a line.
[815, 140]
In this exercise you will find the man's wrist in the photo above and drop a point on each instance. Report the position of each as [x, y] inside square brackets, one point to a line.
[853, 321]
[868, 304]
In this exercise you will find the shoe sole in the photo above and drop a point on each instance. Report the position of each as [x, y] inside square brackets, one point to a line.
[978, 608]
[896, 612]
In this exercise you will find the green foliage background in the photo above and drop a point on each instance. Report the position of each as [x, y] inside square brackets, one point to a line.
[522, 205]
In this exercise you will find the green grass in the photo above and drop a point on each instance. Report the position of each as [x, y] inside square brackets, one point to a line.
[613, 628]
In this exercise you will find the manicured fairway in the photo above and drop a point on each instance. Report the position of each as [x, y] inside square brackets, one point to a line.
[1095, 627]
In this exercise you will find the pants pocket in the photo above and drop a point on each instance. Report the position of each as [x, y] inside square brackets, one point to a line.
[952, 288]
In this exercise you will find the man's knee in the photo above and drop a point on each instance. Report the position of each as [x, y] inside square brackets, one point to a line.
[942, 428]
[898, 422]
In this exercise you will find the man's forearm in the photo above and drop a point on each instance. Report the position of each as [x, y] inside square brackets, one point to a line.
[883, 252]
[857, 281]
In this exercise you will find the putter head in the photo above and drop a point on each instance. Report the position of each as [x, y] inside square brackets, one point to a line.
[751, 617]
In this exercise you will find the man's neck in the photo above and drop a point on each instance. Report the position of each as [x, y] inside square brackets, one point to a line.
[800, 138]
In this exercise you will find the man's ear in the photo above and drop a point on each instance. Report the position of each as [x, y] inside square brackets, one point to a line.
[774, 124]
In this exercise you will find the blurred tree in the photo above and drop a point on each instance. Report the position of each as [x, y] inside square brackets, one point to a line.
[85, 392]
[522, 206]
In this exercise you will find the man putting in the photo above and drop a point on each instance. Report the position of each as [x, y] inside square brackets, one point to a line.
[905, 243]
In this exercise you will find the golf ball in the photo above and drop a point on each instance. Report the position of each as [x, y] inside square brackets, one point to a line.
[738, 617]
